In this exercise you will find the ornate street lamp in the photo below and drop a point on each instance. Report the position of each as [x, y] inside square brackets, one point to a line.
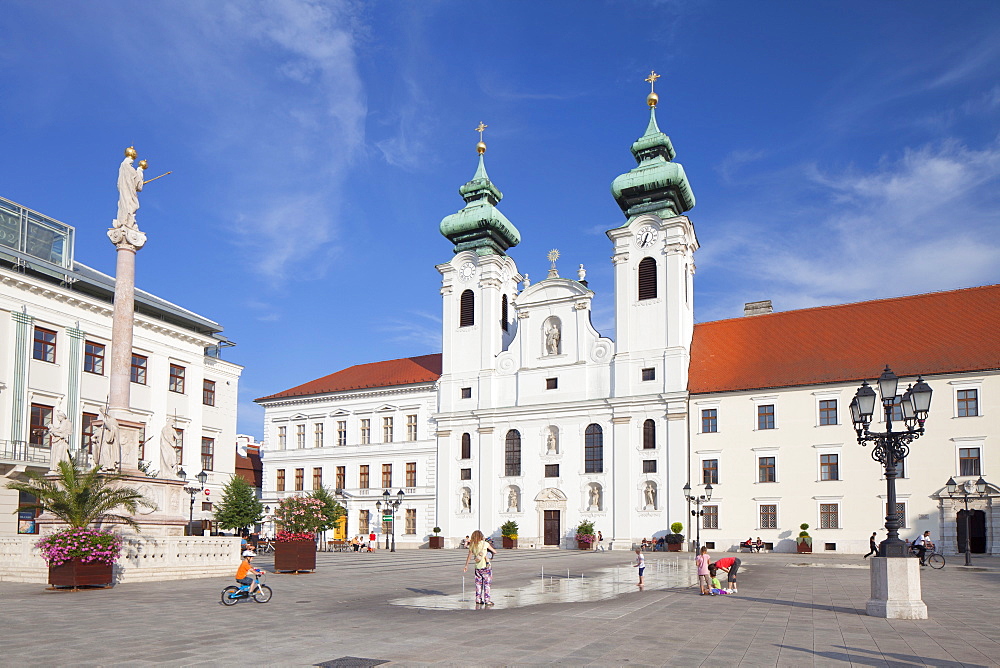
[390, 507]
[193, 491]
[953, 492]
[891, 447]
[697, 500]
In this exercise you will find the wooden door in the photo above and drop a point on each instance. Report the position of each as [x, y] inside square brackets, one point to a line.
[552, 530]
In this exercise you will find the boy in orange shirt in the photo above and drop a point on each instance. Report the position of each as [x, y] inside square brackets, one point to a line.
[243, 572]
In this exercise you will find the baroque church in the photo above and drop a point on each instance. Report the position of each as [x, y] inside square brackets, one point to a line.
[529, 414]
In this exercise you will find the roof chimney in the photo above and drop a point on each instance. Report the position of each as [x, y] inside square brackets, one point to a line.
[757, 308]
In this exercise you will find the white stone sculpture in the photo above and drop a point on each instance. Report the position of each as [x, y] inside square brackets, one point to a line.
[581, 274]
[512, 505]
[527, 282]
[59, 433]
[466, 500]
[595, 498]
[552, 442]
[552, 337]
[650, 494]
[129, 186]
[107, 445]
[168, 452]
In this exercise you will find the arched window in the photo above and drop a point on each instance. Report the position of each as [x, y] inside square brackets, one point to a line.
[649, 435]
[593, 449]
[512, 453]
[467, 313]
[466, 446]
[503, 312]
[647, 278]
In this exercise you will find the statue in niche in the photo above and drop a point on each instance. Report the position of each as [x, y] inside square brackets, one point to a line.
[512, 501]
[650, 495]
[552, 337]
[595, 498]
[168, 449]
[106, 456]
[59, 433]
[551, 443]
[129, 186]
[466, 500]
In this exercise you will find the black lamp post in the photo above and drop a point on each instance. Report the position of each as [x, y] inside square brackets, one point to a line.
[891, 447]
[697, 500]
[965, 496]
[193, 491]
[390, 507]
[267, 514]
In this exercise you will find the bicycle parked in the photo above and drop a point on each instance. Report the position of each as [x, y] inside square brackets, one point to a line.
[232, 594]
[932, 557]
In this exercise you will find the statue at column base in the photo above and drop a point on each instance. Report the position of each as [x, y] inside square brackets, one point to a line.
[127, 236]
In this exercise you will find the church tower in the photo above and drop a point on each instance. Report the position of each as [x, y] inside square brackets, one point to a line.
[653, 266]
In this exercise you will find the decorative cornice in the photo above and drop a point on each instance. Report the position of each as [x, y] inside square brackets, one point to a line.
[319, 398]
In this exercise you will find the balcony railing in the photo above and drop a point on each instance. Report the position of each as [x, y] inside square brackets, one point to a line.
[24, 452]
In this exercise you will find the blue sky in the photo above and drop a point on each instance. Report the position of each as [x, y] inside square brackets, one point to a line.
[839, 151]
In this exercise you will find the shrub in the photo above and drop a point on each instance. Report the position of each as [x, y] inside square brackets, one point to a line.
[509, 529]
[677, 527]
[673, 538]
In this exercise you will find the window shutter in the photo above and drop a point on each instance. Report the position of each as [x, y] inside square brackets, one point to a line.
[467, 314]
[647, 278]
[503, 312]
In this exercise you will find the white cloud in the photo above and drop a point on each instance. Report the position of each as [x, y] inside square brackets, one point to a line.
[422, 329]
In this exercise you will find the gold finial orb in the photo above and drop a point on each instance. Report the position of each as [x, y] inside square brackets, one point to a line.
[652, 99]
[481, 146]
[143, 164]
[131, 152]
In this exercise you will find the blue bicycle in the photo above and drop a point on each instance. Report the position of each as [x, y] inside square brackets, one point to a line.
[232, 594]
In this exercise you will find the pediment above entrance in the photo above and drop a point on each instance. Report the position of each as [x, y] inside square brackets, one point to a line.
[550, 494]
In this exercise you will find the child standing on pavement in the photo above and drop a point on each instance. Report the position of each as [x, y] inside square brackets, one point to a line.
[640, 563]
[481, 550]
[702, 561]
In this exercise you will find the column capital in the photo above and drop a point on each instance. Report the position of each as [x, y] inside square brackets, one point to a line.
[21, 317]
[126, 238]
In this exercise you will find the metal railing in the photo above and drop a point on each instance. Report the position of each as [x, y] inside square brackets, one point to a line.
[23, 451]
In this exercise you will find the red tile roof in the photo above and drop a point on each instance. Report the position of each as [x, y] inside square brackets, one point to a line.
[405, 371]
[939, 332]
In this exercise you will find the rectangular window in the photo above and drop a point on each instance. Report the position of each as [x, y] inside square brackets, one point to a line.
[897, 410]
[829, 467]
[206, 505]
[387, 430]
[318, 435]
[710, 471]
[93, 358]
[341, 477]
[827, 412]
[363, 518]
[411, 427]
[142, 444]
[386, 476]
[466, 392]
[710, 520]
[138, 371]
[208, 392]
[363, 476]
[280, 481]
[649, 374]
[901, 511]
[88, 432]
[465, 474]
[829, 516]
[282, 438]
[968, 403]
[45, 345]
[411, 474]
[551, 470]
[318, 477]
[300, 436]
[649, 466]
[765, 469]
[768, 516]
[551, 383]
[41, 420]
[968, 460]
[341, 432]
[300, 479]
[765, 416]
[177, 378]
[179, 446]
[207, 454]
[411, 521]
[366, 432]
[710, 421]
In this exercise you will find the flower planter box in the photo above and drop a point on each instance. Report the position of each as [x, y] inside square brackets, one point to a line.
[75, 573]
[509, 543]
[584, 546]
[436, 542]
[803, 547]
[295, 555]
[673, 547]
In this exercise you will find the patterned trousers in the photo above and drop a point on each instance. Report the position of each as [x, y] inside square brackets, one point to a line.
[484, 577]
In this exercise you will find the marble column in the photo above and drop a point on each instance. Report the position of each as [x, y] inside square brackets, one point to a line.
[19, 392]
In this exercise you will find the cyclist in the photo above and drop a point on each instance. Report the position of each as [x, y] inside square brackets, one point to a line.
[243, 572]
[922, 544]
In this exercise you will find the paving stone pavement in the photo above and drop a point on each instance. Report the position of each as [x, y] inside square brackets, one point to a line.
[791, 610]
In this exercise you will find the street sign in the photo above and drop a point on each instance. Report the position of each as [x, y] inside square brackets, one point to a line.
[387, 518]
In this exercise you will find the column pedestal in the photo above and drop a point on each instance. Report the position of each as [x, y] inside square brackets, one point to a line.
[895, 589]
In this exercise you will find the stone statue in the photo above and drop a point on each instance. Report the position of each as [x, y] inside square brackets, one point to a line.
[650, 494]
[466, 500]
[552, 339]
[168, 452]
[595, 498]
[129, 185]
[512, 501]
[527, 282]
[581, 274]
[107, 445]
[59, 433]
[551, 444]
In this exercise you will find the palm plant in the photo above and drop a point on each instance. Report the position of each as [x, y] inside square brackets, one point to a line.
[80, 497]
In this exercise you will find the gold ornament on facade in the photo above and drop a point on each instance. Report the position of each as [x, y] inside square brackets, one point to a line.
[652, 98]
[481, 146]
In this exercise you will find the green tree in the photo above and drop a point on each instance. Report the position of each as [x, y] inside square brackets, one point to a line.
[239, 507]
[332, 510]
[80, 497]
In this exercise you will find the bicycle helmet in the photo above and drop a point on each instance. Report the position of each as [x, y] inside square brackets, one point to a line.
[249, 553]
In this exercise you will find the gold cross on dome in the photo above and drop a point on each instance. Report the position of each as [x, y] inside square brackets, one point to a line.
[479, 128]
[653, 76]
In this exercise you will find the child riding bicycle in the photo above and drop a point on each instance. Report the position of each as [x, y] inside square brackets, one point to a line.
[243, 572]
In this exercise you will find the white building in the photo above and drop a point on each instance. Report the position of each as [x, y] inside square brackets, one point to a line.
[55, 334]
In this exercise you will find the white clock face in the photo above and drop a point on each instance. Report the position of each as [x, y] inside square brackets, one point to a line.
[467, 271]
[646, 236]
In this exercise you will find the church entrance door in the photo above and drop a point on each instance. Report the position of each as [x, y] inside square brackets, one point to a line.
[552, 531]
[977, 531]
